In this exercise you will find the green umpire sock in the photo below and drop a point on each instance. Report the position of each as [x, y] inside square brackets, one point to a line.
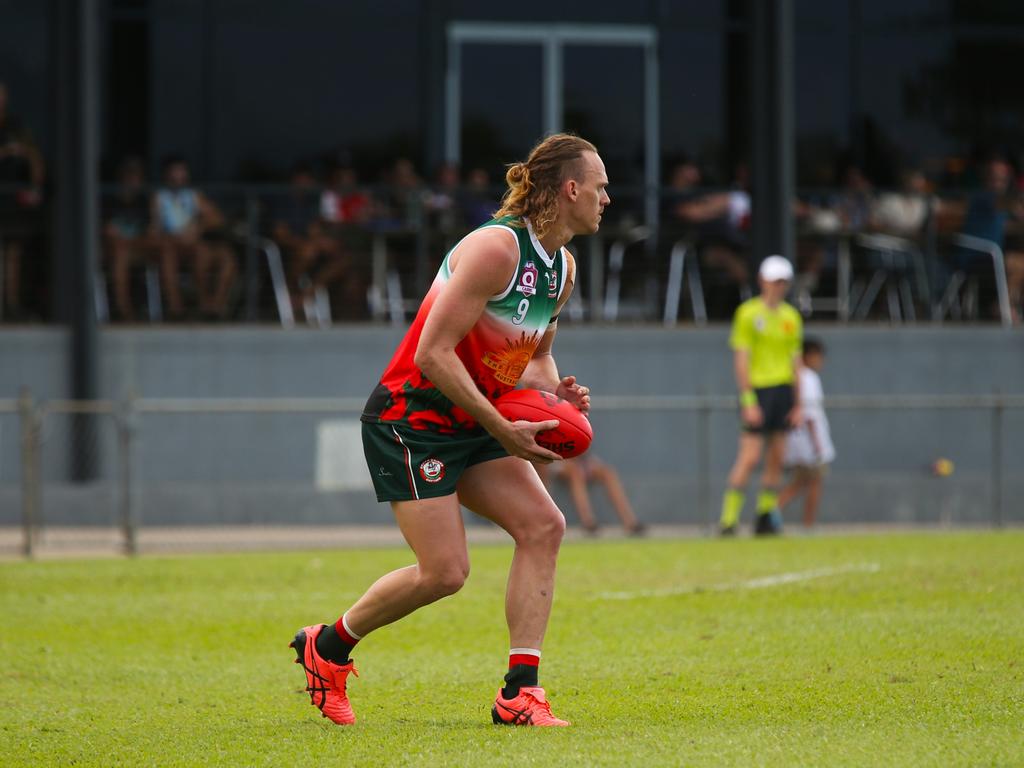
[732, 504]
[767, 501]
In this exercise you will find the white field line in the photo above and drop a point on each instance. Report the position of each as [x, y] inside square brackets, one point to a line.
[763, 582]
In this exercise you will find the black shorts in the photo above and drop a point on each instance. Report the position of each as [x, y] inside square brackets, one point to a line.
[408, 464]
[776, 403]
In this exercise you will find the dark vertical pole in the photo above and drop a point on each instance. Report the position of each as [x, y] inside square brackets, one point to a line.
[737, 86]
[77, 210]
[773, 141]
[856, 117]
[208, 94]
[433, 49]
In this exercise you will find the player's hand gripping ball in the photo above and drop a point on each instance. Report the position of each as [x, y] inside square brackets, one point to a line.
[570, 438]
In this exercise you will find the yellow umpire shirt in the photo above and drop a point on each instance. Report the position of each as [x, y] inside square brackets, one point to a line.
[772, 336]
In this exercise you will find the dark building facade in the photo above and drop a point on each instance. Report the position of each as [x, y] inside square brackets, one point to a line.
[245, 88]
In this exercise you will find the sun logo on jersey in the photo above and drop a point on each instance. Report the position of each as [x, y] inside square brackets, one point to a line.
[509, 363]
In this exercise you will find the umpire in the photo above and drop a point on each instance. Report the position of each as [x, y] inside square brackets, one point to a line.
[766, 340]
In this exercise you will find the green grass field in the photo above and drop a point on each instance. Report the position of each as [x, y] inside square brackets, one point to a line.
[901, 650]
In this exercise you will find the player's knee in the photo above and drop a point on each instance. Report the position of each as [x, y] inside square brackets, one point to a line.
[446, 581]
[546, 530]
[747, 467]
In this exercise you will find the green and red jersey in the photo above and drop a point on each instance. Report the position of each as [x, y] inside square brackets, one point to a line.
[496, 350]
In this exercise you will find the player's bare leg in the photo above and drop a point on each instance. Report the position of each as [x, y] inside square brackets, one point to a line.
[769, 520]
[509, 492]
[775, 452]
[607, 476]
[796, 487]
[434, 530]
[748, 455]
[576, 479]
[812, 498]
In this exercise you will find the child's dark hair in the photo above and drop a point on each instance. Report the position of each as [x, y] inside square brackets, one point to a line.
[813, 344]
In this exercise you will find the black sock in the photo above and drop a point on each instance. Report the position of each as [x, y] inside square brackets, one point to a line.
[331, 647]
[519, 676]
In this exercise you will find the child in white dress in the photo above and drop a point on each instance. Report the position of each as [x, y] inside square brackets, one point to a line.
[809, 448]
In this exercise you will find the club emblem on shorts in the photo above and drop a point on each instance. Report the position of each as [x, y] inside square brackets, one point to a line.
[432, 470]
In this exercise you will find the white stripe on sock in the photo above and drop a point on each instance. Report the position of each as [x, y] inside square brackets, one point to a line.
[344, 623]
[524, 652]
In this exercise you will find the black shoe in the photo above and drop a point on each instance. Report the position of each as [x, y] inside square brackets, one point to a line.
[768, 524]
[727, 530]
[637, 529]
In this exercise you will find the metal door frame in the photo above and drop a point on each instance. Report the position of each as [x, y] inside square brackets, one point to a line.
[553, 38]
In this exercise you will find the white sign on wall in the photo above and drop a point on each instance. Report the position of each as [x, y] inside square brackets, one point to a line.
[339, 457]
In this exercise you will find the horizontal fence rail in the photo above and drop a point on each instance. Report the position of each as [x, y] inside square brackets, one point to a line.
[32, 415]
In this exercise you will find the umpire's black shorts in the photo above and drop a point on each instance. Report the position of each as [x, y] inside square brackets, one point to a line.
[776, 403]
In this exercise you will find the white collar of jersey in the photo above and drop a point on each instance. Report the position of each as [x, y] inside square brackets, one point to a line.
[548, 260]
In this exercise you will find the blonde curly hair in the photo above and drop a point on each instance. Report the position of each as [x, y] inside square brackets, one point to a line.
[533, 185]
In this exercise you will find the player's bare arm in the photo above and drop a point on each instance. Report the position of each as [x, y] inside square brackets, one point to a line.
[485, 264]
[750, 411]
[542, 371]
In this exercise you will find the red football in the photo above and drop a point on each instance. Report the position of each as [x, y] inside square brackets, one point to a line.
[570, 438]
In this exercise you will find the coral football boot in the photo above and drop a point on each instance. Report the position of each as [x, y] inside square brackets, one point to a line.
[530, 707]
[325, 680]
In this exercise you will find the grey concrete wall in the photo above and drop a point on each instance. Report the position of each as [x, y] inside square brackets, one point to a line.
[262, 468]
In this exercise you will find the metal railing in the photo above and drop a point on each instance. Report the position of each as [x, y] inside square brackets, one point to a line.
[126, 413]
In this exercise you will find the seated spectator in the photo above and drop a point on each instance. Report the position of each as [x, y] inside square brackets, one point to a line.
[342, 201]
[816, 248]
[719, 222]
[188, 228]
[313, 258]
[822, 220]
[403, 196]
[583, 471]
[996, 213]
[127, 234]
[854, 202]
[442, 200]
[477, 202]
[347, 212]
[903, 213]
[21, 166]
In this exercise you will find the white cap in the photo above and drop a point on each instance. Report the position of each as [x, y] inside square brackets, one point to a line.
[776, 268]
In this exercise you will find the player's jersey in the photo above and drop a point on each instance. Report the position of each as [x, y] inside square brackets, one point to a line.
[495, 351]
[772, 336]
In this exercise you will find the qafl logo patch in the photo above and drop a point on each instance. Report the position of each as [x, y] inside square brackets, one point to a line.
[528, 279]
[432, 470]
